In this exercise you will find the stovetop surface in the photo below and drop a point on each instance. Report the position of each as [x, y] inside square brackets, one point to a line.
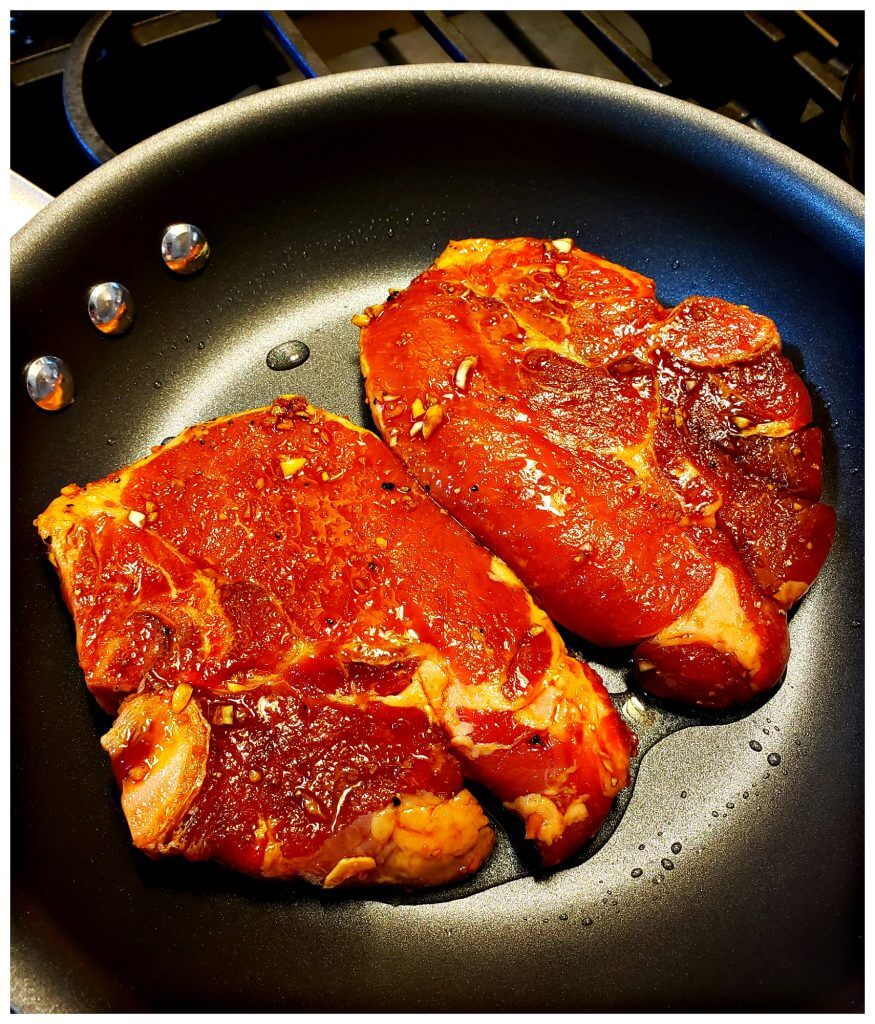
[789, 74]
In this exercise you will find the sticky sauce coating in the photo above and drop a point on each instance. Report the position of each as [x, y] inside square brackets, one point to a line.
[305, 655]
[650, 473]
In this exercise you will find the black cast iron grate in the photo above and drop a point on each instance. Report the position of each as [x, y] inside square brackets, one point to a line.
[97, 84]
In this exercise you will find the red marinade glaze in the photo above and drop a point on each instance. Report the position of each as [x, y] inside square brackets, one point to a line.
[649, 473]
[311, 767]
[317, 633]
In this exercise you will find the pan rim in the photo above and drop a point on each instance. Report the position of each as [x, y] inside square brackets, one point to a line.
[834, 199]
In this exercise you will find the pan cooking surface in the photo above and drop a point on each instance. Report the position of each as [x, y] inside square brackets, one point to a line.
[731, 877]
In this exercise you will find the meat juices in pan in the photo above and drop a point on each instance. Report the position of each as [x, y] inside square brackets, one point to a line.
[650, 473]
[306, 657]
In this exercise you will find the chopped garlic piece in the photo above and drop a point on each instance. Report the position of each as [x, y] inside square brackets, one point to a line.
[463, 370]
[181, 697]
[224, 715]
[292, 466]
[433, 418]
[564, 245]
[417, 409]
[137, 518]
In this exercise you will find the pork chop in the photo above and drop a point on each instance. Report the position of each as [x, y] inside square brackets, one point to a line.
[305, 656]
[650, 473]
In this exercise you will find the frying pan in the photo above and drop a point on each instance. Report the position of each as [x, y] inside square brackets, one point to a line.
[733, 877]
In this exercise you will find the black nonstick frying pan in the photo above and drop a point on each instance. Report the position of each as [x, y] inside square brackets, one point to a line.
[732, 876]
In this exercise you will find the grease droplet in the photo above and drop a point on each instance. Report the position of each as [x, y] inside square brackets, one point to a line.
[201, 345]
[683, 794]
[667, 864]
[675, 264]
[730, 806]
[288, 355]
[587, 921]
[157, 384]
[756, 745]
[637, 872]
[641, 846]
[774, 760]
[676, 847]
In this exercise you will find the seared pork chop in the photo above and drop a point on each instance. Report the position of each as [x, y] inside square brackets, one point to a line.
[649, 473]
[306, 655]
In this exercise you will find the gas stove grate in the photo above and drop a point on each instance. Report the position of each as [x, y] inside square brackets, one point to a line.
[98, 84]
